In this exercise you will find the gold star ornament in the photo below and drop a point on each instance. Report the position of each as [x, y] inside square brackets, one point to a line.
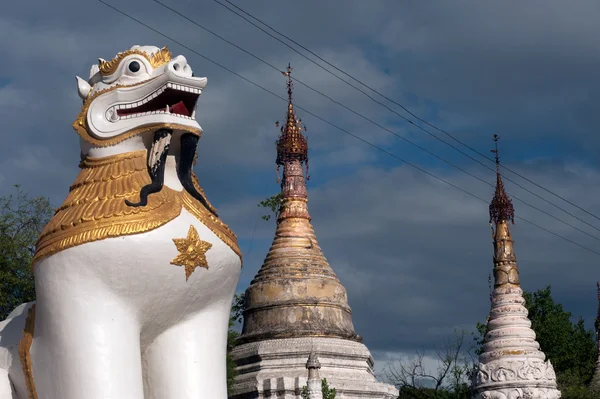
[192, 252]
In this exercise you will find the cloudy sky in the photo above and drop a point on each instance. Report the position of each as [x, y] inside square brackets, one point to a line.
[413, 252]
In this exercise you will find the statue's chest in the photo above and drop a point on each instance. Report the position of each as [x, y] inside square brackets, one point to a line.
[174, 268]
[95, 208]
[166, 256]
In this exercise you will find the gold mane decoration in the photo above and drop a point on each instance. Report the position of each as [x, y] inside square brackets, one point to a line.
[95, 208]
[157, 59]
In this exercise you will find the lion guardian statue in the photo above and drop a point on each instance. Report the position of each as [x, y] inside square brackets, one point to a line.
[135, 273]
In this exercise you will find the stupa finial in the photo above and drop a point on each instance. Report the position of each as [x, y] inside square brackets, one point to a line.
[291, 145]
[501, 207]
[313, 361]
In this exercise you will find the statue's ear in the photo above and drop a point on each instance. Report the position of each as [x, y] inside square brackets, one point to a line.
[94, 70]
[83, 88]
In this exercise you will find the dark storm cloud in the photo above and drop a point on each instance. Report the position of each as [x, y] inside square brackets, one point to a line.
[413, 254]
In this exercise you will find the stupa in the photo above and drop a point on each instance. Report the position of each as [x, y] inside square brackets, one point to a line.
[595, 384]
[314, 388]
[512, 364]
[296, 304]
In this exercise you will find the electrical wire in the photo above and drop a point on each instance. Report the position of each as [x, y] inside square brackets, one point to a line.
[399, 136]
[338, 127]
[399, 105]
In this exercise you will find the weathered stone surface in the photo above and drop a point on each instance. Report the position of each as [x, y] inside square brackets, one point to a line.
[278, 368]
[296, 293]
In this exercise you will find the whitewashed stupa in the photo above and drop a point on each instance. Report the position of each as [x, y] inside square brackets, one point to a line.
[296, 304]
[512, 364]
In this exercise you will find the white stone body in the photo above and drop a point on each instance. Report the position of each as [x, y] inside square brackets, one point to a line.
[315, 390]
[512, 365]
[277, 369]
[115, 319]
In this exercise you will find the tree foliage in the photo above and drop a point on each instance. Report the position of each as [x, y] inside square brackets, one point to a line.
[22, 219]
[273, 203]
[235, 317]
[569, 346]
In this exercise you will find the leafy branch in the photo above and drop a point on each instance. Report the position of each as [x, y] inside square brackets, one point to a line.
[274, 203]
[328, 393]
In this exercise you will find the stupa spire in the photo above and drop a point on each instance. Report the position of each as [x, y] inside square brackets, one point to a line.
[501, 207]
[595, 384]
[295, 293]
[291, 145]
[511, 362]
[314, 380]
[501, 213]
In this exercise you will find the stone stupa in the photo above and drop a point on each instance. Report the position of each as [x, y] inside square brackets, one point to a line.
[512, 365]
[296, 304]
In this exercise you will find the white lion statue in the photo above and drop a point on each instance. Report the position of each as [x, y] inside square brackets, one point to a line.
[135, 273]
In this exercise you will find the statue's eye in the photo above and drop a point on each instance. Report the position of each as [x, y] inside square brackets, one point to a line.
[134, 66]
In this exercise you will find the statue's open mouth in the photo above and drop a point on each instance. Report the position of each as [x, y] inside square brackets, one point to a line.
[170, 99]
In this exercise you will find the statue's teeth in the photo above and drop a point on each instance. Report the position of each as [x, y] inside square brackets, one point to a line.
[194, 114]
[167, 109]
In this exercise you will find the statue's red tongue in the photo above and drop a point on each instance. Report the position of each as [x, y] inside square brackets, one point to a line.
[179, 109]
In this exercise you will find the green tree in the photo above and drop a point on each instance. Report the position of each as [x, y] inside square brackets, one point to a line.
[273, 203]
[328, 393]
[568, 345]
[235, 317]
[22, 219]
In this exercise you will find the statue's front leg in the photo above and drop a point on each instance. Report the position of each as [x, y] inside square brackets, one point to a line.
[188, 361]
[6, 390]
[86, 338]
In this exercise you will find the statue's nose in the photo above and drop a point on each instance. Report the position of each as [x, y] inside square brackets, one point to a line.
[180, 66]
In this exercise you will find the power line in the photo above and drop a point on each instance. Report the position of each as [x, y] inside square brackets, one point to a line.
[390, 100]
[397, 135]
[335, 126]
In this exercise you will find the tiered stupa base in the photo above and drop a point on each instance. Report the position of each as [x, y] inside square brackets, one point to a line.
[517, 378]
[512, 365]
[277, 369]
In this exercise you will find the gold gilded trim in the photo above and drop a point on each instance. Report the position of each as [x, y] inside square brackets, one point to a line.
[156, 60]
[95, 207]
[24, 352]
[221, 230]
[196, 184]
